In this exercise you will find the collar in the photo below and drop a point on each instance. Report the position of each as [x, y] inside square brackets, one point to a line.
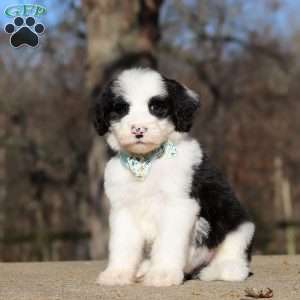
[140, 165]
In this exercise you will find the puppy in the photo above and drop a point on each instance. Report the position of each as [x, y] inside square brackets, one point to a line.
[173, 214]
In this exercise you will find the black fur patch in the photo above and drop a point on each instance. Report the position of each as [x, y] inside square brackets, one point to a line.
[118, 108]
[249, 251]
[107, 107]
[183, 106]
[159, 107]
[219, 205]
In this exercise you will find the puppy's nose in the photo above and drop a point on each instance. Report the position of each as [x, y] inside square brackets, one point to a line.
[138, 131]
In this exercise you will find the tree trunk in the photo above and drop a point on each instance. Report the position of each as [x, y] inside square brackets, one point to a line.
[120, 34]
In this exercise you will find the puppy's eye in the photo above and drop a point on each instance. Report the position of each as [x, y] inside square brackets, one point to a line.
[119, 109]
[158, 107]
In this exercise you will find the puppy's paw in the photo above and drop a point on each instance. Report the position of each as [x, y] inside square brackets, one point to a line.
[157, 277]
[230, 270]
[143, 269]
[115, 277]
[234, 270]
[209, 273]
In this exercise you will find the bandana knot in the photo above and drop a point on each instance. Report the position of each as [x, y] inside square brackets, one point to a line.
[140, 165]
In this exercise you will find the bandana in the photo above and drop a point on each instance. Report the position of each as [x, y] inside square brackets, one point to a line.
[140, 165]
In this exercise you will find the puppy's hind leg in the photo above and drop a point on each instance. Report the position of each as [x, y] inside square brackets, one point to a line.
[231, 260]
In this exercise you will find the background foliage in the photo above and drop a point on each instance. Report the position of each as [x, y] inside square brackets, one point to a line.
[242, 57]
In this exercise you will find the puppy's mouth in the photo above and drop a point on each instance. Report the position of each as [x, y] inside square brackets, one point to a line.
[139, 142]
[140, 147]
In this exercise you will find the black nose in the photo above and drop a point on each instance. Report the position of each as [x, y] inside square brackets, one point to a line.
[138, 132]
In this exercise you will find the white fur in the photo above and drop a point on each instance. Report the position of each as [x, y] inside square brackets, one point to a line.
[230, 262]
[198, 256]
[137, 86]
[159, 211]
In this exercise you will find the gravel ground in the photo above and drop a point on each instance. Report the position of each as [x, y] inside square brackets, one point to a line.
[75, 280]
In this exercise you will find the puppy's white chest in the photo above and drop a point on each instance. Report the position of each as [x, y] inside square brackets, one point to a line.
[166, 178]
[143, 199]
[167, 184]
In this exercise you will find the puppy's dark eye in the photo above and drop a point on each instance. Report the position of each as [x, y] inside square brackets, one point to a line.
[159, 107]
[119, 108]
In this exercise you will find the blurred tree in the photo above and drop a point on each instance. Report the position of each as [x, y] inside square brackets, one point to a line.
[120, 34]
[243, 73]
[45, 176]
[241, 56]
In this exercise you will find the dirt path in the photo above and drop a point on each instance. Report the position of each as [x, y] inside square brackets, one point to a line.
[75, 280]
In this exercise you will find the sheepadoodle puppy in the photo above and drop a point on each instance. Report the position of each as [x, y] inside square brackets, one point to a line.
[172, 213]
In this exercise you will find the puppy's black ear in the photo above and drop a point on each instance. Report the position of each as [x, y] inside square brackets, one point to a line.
[184, 105]
[100, 108]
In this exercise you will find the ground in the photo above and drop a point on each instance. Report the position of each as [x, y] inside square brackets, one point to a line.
[76, 280]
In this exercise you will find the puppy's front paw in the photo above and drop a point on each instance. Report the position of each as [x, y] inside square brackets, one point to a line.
[115, 277]
[163, 277]
[143, 269]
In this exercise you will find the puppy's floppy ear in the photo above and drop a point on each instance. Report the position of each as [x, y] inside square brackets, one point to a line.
[184, 105]
[100, 108]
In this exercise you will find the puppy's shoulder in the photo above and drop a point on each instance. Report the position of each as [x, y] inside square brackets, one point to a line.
[189, 152]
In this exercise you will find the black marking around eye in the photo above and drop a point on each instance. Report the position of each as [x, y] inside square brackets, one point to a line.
[119, 108]
[159, 106]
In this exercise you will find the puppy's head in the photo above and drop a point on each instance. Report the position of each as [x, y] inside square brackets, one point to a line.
[140, 109]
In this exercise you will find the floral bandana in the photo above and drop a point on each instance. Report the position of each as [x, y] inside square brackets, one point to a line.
[140, 165]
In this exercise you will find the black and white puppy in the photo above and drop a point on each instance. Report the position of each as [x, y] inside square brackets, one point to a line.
[181, 216]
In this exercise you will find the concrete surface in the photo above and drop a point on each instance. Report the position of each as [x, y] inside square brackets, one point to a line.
[75, 280]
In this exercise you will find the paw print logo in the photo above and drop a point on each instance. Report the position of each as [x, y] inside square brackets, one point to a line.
[24, 32]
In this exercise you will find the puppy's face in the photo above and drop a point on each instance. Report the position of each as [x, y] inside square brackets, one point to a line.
[140, 110]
